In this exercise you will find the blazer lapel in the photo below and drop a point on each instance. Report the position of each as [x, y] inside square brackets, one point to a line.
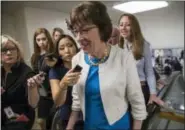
[84, 73]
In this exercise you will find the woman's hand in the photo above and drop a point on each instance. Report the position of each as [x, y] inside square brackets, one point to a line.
[36, 80]
[154, 98]
[50, 62]
[160, 84]
[51, 59]
[137, 124]
[70, 79]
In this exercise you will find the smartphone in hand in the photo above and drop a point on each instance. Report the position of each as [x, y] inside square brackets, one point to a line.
[42, 90]
[77, 68]
[42, 74]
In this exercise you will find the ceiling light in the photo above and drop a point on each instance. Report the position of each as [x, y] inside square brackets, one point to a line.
[140, 6]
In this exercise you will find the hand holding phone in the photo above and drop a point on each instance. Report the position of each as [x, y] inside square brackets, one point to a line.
[36, 80]
[71, 77]
[51, 59]
[42, 74]
[77, 68]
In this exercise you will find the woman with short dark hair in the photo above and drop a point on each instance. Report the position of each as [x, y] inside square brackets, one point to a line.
[106, 82]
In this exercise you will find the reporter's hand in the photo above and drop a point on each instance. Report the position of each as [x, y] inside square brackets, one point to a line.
[51, 59]
[36, 80]
[152, 98]
[70, 79]
[50, 62]
[157, 100]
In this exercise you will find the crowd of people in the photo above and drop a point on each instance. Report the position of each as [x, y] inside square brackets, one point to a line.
[166, 65]
[112, 91]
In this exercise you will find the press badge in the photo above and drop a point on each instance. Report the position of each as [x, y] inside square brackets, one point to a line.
[9, 112]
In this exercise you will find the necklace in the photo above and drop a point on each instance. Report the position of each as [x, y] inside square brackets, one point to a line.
[102, 60]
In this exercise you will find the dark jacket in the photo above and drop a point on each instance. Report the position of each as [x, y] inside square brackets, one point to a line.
[15, 94]
[40, 65]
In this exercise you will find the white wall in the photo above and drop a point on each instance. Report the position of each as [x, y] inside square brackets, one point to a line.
[23, 23]
[14, 25]
[36, 18]
[164, 29]
[22, 33]
[8, 27]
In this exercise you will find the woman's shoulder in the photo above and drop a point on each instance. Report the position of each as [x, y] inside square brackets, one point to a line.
[25, 69]
[123, 55]
[58, 68]
[147, 48]
[57, 72]
[147, 45]
[121, 51]
[22, 71]
[22, 66]
[79, 56]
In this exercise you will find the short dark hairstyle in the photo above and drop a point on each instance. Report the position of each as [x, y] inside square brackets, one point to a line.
[92, 12]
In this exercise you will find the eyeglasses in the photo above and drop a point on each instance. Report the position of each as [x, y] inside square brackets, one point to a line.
[83, 31]
[11, 49]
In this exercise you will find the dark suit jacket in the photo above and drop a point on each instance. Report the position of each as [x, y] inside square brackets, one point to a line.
[15, 94]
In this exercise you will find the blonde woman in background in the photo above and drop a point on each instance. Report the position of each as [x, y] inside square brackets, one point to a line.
[14, 88]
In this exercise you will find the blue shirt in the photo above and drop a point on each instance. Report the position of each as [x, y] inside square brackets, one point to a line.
[144, 66]
[95, 117]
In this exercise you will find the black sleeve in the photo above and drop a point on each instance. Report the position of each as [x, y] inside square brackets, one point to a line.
[35, 68]
[28, 75]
